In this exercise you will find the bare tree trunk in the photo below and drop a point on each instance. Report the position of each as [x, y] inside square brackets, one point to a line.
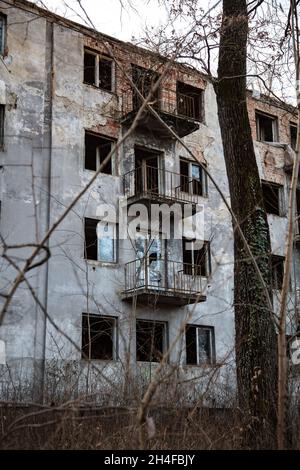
[255, 329]
[282, 347]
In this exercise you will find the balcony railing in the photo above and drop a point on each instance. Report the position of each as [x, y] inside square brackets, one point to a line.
[163, 278]
[154, 183]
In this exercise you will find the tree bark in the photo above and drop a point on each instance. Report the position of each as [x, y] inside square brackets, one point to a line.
[255, 329]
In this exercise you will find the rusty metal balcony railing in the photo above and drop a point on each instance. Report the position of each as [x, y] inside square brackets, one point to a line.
[154, 183]
[163, 277]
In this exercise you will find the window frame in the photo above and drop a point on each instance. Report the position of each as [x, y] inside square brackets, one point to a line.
[114, 337]
[98, 56]
[281, 205]
[98, 163]
[203, 181]
[199, 95]
[212, 344]
[275, 126]
[195, 266]
[3, 38]
[295, 126]
[136, 100]
[274, 258]
[165, 337]
[97, 240]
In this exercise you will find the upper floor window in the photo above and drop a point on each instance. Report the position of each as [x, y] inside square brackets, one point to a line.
[196, 260]
[293, 135]
[144, 80]
[277, 271]
[99, 337]
[200, 345]
[2, 111]
[266, 127]
[98, 70]
[100, 241]
[192, 178]
[151, 340]
[97, 148]
[2, 33]
[189, 101]
[273, 197]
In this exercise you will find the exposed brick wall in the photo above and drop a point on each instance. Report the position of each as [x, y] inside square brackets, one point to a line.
[125, 57]
[272, 157]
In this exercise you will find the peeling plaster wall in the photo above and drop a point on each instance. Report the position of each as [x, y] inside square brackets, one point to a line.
[48, 109]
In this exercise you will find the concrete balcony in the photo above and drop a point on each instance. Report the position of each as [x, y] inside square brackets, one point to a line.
[183, 122]
[160, 281]
[155, 184]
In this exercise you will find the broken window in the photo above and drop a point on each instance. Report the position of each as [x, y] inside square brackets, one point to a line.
[98, 337]
[293, 135]
[98, 70]
[2, 33]
[192, 178]
[151, 340]
[144, 80]
[2, 111]
[200, 345]
[196, 260]
[272, 196]
[97, 148]
[100, 241]
[189, 101]
[267, 127]
[277, 271]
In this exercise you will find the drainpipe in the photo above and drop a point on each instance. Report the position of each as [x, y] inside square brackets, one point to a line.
[39, 380]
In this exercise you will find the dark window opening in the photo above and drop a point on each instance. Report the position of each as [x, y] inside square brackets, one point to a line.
[103, 247]
[199, 343]
[266, 128]
[89, 68]
[105, 73]
[98, 337]
[144, 80]
[150, 340]
[293, 135]
[146, 171]
[91, 241]
[2, 34]
[189, 101]
[2, 111]
[98, 70]
[277, 271]
[192, 178]
[96, 150]
[184, 176]
[196, 260]
[272, 197]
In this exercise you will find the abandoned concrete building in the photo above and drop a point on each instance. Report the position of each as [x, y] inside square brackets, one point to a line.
[66, 99]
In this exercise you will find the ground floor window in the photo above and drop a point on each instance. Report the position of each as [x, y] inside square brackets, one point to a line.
[99, 337]
[200, 345]
[151, 340]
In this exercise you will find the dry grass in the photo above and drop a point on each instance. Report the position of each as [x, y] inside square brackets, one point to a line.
[33, 428]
